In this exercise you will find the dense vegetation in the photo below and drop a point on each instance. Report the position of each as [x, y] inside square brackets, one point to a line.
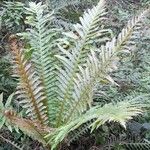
[75, 75]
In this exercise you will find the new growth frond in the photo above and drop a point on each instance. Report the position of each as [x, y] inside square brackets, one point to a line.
[29, 91]
[32, 128]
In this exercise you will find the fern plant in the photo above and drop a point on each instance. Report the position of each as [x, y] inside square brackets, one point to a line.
[56, 86]
[12, 16]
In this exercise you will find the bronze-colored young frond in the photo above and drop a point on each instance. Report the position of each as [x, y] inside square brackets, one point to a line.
[32, 128]
[29, 91]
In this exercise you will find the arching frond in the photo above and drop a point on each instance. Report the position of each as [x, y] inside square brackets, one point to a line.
[117, 112]
[32, 128]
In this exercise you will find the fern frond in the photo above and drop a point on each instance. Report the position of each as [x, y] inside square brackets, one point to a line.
[98, 68]
[78, 133]
[13, 23]
[32, 128]
[88, 30]
[14, 144]
[112, 112]
[145, 145]
[43, 53]
[29, 91]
